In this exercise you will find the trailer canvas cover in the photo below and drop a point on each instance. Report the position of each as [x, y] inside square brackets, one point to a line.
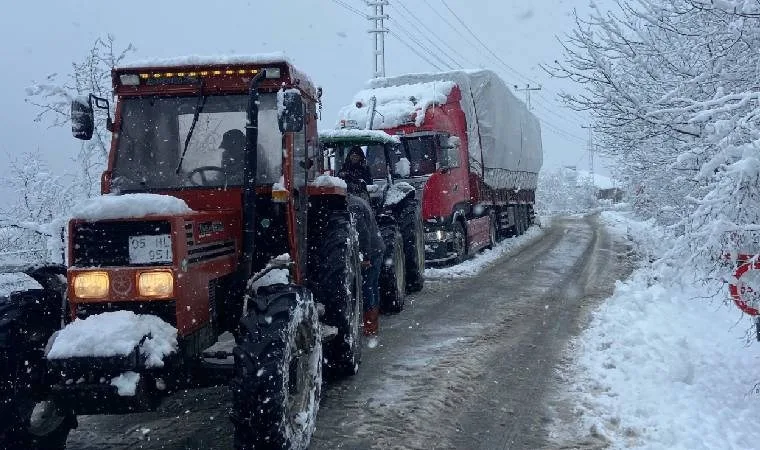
[504, 138]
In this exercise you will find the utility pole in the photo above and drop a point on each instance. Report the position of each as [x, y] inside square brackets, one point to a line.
[590, 149]
[378, 17]
[527, 90]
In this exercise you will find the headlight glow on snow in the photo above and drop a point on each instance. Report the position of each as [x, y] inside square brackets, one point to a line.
[91, 285]
[159, 284]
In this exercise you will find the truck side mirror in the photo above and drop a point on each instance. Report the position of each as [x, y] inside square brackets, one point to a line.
[82, 118]
[290, 111]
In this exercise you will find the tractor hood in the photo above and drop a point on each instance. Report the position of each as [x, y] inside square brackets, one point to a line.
[130, 206]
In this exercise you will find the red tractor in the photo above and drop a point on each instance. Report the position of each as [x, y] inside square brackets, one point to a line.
[235, 140]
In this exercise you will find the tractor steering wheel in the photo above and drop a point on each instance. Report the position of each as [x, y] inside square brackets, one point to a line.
[202, 171]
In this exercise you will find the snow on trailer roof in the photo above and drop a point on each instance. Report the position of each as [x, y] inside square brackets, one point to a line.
[350, 134]
[219, 60]
[398, 104]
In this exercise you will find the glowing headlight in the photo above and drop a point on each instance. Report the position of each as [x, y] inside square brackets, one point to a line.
[91, 285]
[155, 284]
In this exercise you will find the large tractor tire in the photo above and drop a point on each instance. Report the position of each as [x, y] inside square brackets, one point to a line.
[336, 272]
[392, 283]
[413, 234]
[28, 419]
[277, 383]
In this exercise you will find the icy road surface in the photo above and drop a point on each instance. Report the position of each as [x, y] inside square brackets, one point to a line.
[469, 364]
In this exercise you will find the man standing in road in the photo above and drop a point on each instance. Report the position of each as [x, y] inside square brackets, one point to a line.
[372, 248]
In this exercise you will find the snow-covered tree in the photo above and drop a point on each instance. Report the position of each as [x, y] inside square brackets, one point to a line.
[673, 90]
[33, 224]
[563, 191]
[53, 99]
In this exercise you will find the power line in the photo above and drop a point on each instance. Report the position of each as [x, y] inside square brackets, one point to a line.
[420, 44]
[435, 35]
[510, 68]
[392, 33]
[350, 8]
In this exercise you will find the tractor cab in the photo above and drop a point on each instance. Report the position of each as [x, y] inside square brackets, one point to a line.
[385, 158]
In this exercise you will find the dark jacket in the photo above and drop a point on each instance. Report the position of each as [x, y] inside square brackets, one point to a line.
[370, 240]
[356, 176]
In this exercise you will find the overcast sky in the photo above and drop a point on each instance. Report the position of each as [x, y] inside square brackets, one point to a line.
[325, 39]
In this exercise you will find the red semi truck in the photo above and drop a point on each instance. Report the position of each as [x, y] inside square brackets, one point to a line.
[470, 148]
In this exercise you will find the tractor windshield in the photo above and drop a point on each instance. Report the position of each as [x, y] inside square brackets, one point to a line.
[154, 130]
[375, 154]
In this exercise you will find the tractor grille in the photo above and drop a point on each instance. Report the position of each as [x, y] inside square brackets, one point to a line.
[163, 309]
[107, 243]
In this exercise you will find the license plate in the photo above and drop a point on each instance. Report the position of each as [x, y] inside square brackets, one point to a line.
[150, 249]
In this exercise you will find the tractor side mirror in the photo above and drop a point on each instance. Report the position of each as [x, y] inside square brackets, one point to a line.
[290, 111]
[82, 118]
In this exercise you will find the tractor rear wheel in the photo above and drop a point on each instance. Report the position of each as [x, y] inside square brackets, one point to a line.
[337, 273]
[27, 418]
[278, 371]
[413, 234]
[392, 283]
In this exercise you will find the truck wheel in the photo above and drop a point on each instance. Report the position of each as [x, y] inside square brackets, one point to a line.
[392, 282]
[337, 273]
[278, 372]
[413, 234]
[520, 217]
[493, 236]
[460, 242]
[28, 419]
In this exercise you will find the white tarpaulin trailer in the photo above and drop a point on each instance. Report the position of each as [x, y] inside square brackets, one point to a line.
[504, 138]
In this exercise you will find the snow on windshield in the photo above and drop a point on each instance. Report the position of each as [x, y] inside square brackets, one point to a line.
[129, 206]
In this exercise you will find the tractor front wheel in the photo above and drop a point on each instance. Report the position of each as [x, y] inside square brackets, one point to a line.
[278, 371]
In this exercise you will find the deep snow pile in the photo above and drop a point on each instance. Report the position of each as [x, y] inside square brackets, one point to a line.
[477, 263]
[663, 366]
[116, 333]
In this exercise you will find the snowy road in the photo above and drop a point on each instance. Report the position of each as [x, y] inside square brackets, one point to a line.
[469, 364]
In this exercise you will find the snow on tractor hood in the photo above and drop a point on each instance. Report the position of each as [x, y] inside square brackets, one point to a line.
[129, 206]
[116, 333]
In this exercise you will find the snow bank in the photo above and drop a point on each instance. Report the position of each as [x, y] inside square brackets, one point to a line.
[330, 181]
[476, 264]
[397, 105]
[116, 333]
[129, 206]
[374, 135]
[661, 367]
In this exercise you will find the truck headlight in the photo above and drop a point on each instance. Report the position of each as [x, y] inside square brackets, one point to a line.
[91, 284]
[158, 284]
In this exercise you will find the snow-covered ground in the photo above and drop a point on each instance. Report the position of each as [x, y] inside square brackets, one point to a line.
[662, 364]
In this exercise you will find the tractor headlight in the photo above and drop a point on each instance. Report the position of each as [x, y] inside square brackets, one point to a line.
[158, 284]
[91, 285]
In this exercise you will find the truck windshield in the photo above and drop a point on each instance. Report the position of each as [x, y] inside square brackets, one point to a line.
[153, 133]
[420, 151]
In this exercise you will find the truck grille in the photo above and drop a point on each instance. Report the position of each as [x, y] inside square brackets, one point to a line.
[107, 243]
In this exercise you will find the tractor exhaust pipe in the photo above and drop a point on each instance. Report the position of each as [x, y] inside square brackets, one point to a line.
[249, 177]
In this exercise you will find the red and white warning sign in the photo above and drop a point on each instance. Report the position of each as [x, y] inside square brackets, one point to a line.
[745, 287]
